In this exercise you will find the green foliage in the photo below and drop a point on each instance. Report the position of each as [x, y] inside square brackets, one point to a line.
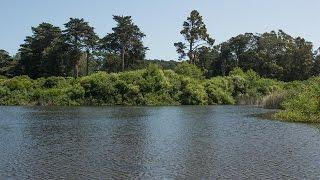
[21, 90]
[249, 88]
[80, 36]
[34, 60]
[195, 33]
[153, 80]
[100, 88]
[7, 63]
[272, 55]
[190, 70]
[219, 91]
[154, 86]
[19, 83]
[193, 92]
[143, 87]
[66, 95]
[125, 43]
[150, 86]
[302, 104]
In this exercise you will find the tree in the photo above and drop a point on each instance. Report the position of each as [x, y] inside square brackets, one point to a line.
[244, 49]
[4, 58]
[80, 37]
[271, 54]
[315, 71]
[302, 60]
[57, 58]
[5, 62]
[284, 57]
[196, 36]
[32, 51]
[125, 40]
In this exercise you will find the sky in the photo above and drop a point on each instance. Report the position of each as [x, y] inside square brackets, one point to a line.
[161, 20]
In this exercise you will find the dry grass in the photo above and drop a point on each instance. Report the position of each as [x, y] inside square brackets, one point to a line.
[273, 101]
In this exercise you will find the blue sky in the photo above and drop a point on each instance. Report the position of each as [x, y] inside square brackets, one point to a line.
[161, 20]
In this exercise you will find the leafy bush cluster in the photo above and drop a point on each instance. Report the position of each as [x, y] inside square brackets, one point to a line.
[302, 102]
[22, 90]
[151, 86]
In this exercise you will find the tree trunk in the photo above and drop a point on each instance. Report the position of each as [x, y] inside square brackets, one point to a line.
[87, 61]
[76, 69]
[123, 52]
[223, 67]
[190, 54]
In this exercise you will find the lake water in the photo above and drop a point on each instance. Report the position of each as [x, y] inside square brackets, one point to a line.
[182, 142]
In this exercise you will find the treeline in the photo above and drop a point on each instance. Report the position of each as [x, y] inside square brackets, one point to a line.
[76, 50]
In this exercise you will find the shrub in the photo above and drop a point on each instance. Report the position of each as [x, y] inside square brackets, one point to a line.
[237, 72]
[3, 77]
[219, 91]
[193, 93]
[60, 96]
[15, 98]
[190, 70]
[100, 88]
[153, 80]
[249, 88]
[51, 82]
[302, 105]
[19, 83]
[153, 86]
[175, 86]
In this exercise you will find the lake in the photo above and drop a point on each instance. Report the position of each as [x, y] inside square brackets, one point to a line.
[175, 142]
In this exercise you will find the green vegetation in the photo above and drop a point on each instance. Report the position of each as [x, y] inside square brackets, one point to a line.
[150, 86]
[76, 50]
[302, 102]
[73, 66]
[196, 36]
[274, 100]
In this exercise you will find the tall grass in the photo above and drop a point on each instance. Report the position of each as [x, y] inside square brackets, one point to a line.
[273, 100]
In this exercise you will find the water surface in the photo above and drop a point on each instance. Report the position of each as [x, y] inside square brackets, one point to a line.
[182, 142]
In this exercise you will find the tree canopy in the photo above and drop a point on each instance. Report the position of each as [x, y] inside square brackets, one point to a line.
[34, 61]
[80, 36]
[5, 62]
[125, 41]
[196, 36]
[271, 54]
[76, 50]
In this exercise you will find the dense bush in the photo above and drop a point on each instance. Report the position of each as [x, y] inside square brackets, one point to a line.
[219, 91]
[190, 70]
[302, 104]
[193, 93]
[100, 88]
[150, 86]
[249, 88]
